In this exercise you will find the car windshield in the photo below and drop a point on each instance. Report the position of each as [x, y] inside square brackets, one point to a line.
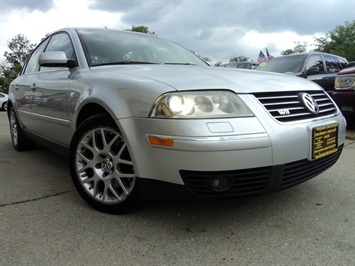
[286, 65]
[108, 47]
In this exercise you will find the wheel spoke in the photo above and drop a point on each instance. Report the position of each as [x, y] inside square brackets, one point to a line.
[113, 191]
[93, 139]
[87, 146]
[104, 166]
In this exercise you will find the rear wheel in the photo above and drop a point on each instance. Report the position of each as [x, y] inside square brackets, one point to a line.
[4, 106]
[18, 138]
[101, 166]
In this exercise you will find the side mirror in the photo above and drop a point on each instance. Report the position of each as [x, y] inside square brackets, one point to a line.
[313, 71]
[56, 59]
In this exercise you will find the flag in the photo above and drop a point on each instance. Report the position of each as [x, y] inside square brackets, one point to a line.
[269, 56]
[261, 57]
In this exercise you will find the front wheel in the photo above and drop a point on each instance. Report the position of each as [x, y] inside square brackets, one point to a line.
[101, 166]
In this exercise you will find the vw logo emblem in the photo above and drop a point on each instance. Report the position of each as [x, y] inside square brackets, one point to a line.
[310, 104]
[106, 165]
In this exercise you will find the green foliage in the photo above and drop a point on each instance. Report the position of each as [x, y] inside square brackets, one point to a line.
[298, 49]
[142, 29]
[20, 47]
[287, 52]
[340, 41]
[240, 58]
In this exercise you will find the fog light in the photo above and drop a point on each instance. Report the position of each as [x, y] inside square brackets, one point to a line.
[221, 183]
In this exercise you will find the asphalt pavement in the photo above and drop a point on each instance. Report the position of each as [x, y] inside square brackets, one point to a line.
[43, 221]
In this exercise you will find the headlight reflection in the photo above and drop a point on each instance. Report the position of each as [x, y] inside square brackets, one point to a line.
[200, 104]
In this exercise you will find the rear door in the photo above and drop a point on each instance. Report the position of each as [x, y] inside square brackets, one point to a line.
[332, 69]
[313, 62]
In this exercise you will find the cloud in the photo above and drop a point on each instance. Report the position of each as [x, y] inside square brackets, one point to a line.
[42, 5]
[219, 29]
[301, 16]
[35, 23]
[222, 29]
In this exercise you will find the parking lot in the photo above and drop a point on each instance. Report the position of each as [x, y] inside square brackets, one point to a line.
[43, 221]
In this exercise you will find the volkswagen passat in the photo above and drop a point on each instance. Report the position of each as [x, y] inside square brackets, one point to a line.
[141, 117]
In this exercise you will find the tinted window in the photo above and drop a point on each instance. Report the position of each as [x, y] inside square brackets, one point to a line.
[286, 64]
[343, 63]
[315, 61]
[331, 64]
[60, 42]
[32, 64]
[110, 47]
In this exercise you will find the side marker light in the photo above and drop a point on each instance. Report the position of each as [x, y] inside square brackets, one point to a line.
[160, 141]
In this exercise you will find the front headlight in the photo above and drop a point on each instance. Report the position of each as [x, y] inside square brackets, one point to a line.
[345, 82]
[200, 104]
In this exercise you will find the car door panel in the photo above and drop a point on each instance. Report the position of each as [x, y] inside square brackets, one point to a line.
[50, 94]
[49, 108]
[23, 101]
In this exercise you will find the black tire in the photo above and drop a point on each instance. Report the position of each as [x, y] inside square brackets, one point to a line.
[18, 138]
[101, 167]
[4, 106]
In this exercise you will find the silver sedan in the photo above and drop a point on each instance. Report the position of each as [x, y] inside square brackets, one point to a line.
[140, 117]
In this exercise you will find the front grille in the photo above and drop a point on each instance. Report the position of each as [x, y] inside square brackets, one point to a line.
[256, 181]
[300, 171]
[244, 181]
[288, 106]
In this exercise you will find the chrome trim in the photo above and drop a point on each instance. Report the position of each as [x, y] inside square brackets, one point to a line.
[218, 143]
[59, 121]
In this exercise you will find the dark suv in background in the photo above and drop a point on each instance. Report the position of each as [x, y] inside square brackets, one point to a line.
[321, 68]
[344, 94]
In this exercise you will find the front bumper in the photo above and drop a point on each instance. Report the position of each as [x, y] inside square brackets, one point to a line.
[346, 102]
[244, 183]
[251, 145]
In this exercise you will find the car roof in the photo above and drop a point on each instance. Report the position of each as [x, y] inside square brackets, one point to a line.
[307, 55]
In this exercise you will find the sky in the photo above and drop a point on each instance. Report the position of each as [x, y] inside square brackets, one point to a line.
[218, 29]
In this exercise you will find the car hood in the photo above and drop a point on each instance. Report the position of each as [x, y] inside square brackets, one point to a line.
[345, 71]
[182, 77]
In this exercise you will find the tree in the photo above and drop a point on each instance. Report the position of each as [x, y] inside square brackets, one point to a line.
[287, 52]
[240, 58]
[298, 49]
[340, 41]
[20, 47]
[142, 29]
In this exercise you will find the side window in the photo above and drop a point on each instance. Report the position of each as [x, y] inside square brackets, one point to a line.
[32, 64]
[60, 42]
[331, 64]
[343, 63]
[315, 61]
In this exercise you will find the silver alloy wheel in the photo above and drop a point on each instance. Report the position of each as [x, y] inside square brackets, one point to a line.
[14, 128]
[104, 167]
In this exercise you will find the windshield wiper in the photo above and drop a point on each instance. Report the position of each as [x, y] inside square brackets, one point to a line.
[124, 63]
